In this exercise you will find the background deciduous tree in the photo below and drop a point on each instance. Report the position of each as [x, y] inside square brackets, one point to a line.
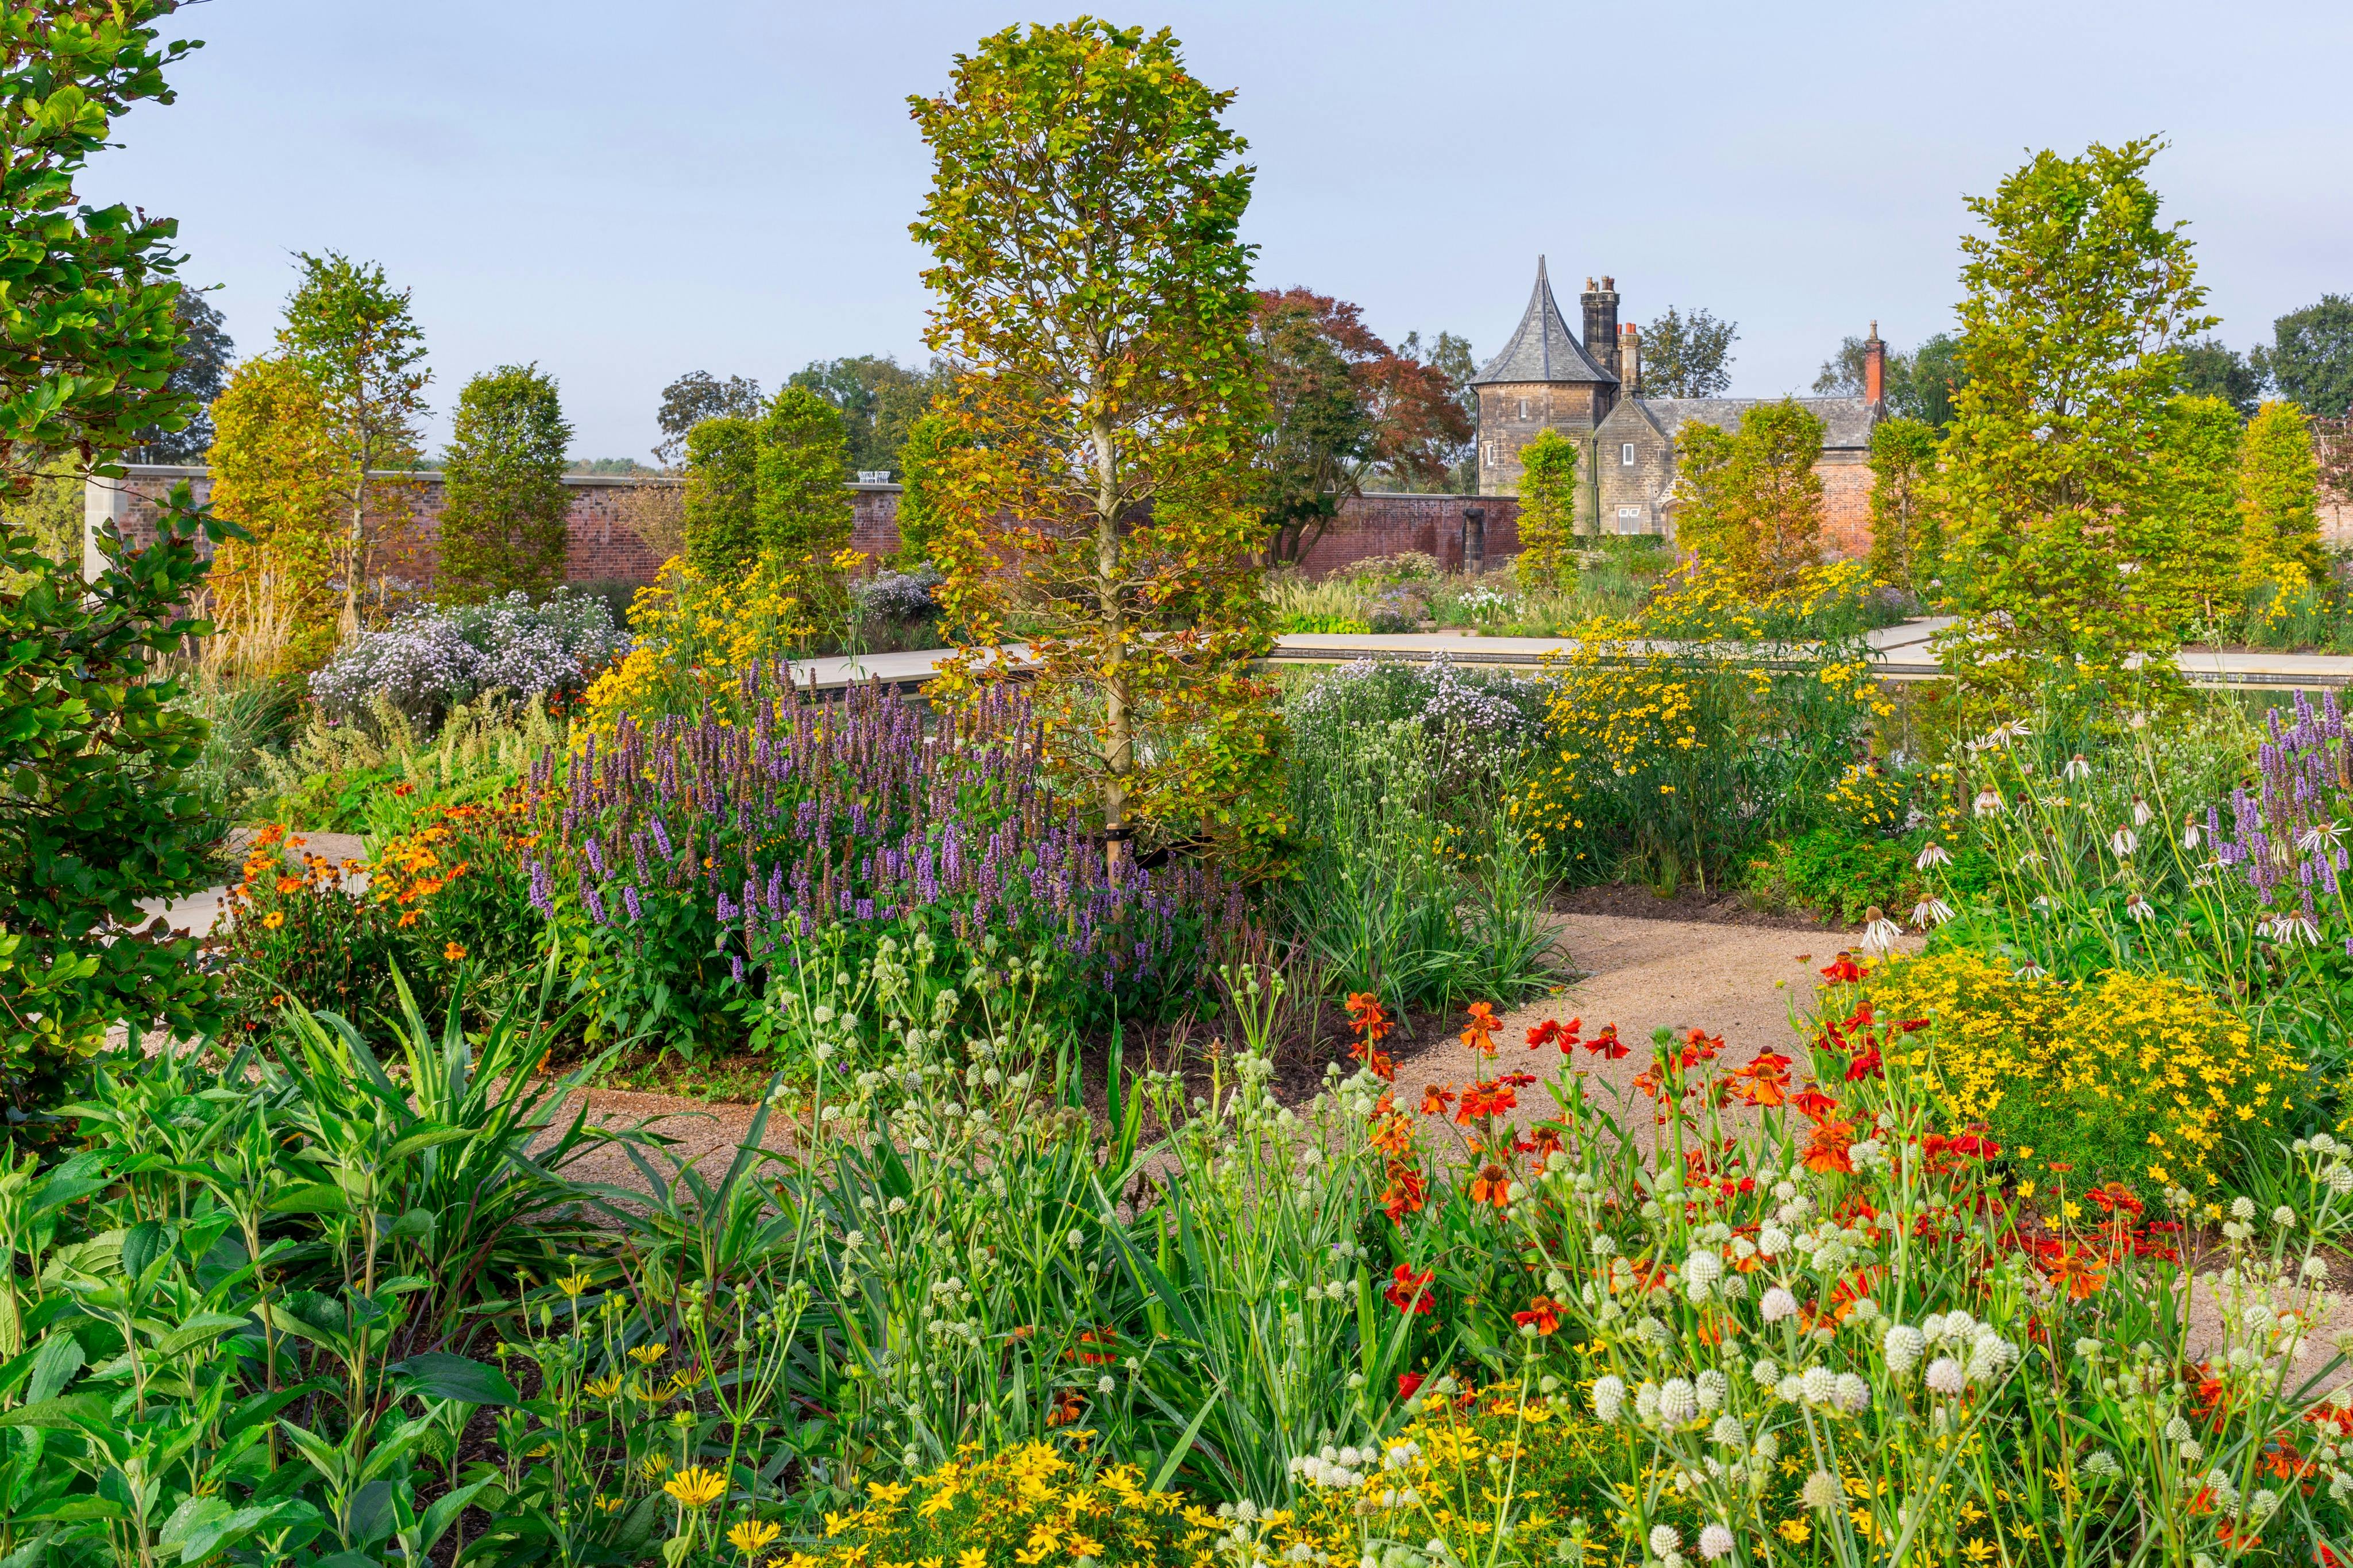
[2278, 500]
[205, 355]
[277, 473]
[1345, 408]
[1918, 384]
[721, 514]
[354, 334]
[929, 439]
[2310, 357]
[502, 526]
[695, 397]
[1448, 355]
[2078, 301]
[1747, 500]
[1547, 510]
[1904, 549]
[1083, 220]
[1687, 355]
[879, 400]
[2213, 368]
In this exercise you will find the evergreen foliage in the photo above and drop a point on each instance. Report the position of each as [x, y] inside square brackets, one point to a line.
[1547, 510]
[2078, 300]
[2278, 500]
[503, 528]
[723, 486]
[1748, 500]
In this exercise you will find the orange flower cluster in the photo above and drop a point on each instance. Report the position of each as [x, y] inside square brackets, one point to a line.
[1370, 1023]
[1393, 1139]
[1552, 1032]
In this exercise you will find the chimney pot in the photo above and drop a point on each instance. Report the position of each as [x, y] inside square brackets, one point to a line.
[1874, 369]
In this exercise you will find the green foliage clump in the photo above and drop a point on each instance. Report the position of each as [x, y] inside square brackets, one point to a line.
[723, 488]
[928, 438]
[2278, 500]
[1547, 510]
[1748, 501]
[2310, 357]
[503, 528]
[1906, 550]
[802, 509]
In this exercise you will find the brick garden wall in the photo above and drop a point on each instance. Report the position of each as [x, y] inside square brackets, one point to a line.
[601, 548]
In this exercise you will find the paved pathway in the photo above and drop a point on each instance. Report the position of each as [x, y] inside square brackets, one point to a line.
[1901, 652]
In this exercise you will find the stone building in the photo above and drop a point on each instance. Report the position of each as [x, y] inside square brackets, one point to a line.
[1590, 388]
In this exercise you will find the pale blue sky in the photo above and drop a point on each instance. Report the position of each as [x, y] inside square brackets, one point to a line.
[624, 192]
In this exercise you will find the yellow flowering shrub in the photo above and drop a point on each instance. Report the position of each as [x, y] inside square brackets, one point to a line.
[695, 638]
[2138, 1076]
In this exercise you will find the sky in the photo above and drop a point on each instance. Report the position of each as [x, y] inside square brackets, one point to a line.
[622, 192]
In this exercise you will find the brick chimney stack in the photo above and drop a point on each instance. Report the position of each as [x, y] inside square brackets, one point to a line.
[1600, 319]
[1874, 370]
[1629, 361]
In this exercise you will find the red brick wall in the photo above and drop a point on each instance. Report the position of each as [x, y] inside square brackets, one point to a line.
[599, 547]
[1846, 506]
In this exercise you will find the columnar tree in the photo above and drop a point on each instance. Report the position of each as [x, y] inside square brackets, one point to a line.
[2279, 499]
[1748, 500]
[503, 528]
[1904, 545]
[2192, 560]
[1082, 219]
[2078, 300]
[722, 492]
[929, 440]
[353, 332]
[99, 812]
[277, 472]
[803, 471]
[1547, 510]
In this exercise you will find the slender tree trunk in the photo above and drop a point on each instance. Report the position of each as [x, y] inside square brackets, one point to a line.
[1119, 718]
[355, 549]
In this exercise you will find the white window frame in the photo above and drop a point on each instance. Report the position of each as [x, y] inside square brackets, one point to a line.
[1627, 514]
[1626, 454]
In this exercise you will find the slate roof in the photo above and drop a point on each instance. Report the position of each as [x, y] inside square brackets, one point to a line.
[1846, 421]
[1543, 349]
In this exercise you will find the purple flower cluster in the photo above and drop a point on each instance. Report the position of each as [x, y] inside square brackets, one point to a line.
[2284, 836]
[433, 657]
[846, 812]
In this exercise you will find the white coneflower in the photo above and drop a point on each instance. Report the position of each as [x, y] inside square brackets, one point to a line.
[2077, 768]
[1879, 933]
[2141, 814]
[1821, 1491]
[1930, 855]
[2123, 841]
[2190, 832]
[2295, 931]
[2139, 909]
[2029, 970]
[1930, 911]
[1989, 802]
[2029, 858]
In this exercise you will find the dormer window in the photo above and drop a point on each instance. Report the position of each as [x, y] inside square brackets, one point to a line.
[1626, 455]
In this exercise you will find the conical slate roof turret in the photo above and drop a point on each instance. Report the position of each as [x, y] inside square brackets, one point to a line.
[1542, 348]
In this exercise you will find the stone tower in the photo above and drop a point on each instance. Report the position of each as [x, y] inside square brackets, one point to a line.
[1545, 379]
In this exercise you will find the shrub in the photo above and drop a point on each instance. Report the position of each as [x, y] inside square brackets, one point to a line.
[432, 658]
[900, 595]
[698, 637]
[2131, 1075]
